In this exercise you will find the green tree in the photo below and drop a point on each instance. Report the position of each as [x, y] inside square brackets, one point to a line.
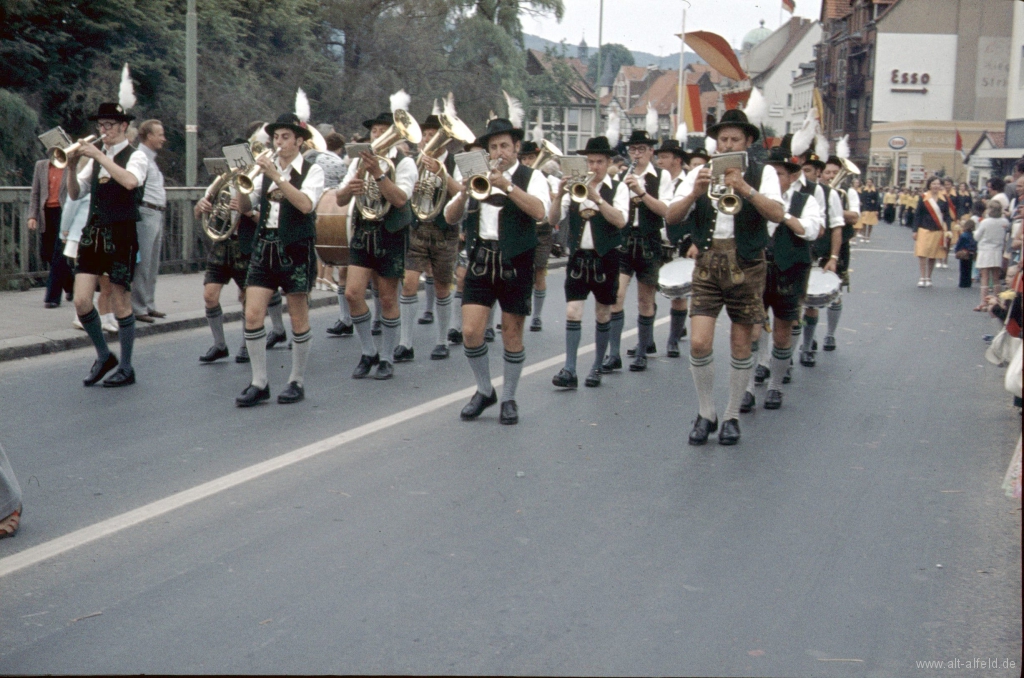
[18, 140]
[613, 57]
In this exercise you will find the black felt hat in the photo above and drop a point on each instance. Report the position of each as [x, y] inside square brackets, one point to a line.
[813, 160]
[500, 126]
[529, 148]
[672, 146]
[640, 136]
[385, 118]
[780, 156]
[735, 118]
[112, 111]
[432, 122]
[289, 121]
[597, 145]
[834, 160]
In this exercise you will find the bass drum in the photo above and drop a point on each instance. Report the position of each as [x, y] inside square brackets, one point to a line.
[331, 230]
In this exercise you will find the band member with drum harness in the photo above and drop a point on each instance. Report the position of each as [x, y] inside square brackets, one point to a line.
[528, 155]
[835, 170]
[115, 176]
[283, 253]
[433, 242]
[597, 208]
[673, 159]
[730, 269]
[650, 192]
[380, 223]
[501, 234]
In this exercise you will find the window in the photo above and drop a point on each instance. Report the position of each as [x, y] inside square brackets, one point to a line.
[573, 141]
[573, 119]
[587, 121]
[789, 101]
[789, 126]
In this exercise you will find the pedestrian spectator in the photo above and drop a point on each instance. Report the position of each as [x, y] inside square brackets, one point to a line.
[996, 194]
[150, 227]
[870, 200]
[334, 161]
[990, 235]
[931, 223]
[10, 495]
[965, 251]
[889, 209]
[44, 212]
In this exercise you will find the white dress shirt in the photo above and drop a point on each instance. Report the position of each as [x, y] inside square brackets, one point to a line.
[137, 165]
[538, 188]
[853, 200]
[620, 201]
[812, 218]
[665, 187]
[312, 187]
[154, 193]
[725, 224]
[405, 177]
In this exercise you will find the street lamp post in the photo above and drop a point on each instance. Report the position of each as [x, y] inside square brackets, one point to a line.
[681, 103]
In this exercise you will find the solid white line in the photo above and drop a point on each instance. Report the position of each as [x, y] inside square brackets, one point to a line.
[55, 547]
[854, 250]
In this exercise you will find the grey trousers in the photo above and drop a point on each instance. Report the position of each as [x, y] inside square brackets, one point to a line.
[150, 230]
[10, 490]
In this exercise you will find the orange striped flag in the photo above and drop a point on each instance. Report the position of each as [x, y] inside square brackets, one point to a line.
[694, 116]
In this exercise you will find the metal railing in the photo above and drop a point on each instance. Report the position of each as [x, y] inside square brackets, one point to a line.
[184, 247]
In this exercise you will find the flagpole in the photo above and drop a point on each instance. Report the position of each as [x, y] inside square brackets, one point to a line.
[681, 104]
[597, 84]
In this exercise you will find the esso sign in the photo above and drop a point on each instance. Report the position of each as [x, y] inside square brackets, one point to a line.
[897, 143]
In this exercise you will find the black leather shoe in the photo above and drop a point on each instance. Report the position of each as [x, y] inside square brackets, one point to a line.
[273, 339]
[788, 376]
[375, 329]
[215, 353]
[455, 336]
[365, 363]
[639, 364]
[536, 325]
[610, 364]
[761, 373]
[702, 428]
[253, 396]
[672, 351]
[477, 404]
[403, 354]
[292, 393]
[489, 334]
[565, 379]
[509, 413]
[243, 355]
[426, 319]
[730, 434]
[385, 370]
[807, 358]
[593, 379]
[52, 304]
[773, 399]
[829, 344]
[124, 376]
[748, 402]
[651, 350]
[69, 296]
[340, 329]
[440, 352]
[99, 369]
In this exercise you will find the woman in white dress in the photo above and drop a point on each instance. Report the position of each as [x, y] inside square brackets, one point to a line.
[990, 235]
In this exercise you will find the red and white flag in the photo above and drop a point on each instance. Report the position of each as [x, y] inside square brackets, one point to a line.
[789, 5]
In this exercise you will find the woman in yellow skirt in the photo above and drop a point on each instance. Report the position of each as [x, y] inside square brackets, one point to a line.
[931, 224]
[870, 201]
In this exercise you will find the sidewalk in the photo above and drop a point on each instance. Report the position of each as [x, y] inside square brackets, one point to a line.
[29, 329]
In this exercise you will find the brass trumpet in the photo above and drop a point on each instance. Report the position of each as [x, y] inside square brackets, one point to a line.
[723, 197]
[479, 185]
[59, 156]
[246, 181]
[579, 188]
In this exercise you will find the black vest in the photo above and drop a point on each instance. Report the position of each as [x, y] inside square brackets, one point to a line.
[606, 236]
[848, 230]
[789, 248]
[112, 202]
[245, 233]
[449, 166]
[650, 223]
[750, 229]
[517, 231]
[822, 245]
[396, 218]
[292, 225]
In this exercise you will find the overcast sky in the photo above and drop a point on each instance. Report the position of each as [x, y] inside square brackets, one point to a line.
[651, 25]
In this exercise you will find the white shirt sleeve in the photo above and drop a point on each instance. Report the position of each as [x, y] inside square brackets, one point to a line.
[406, 176]
[84, 183]
[620, 200]
[665, 187]
[313, 184]
[769, 185]
[138, 165]
[853, 200]
[565, 205]
[349, 174]
[835, 210]
[538, 188]
[812, 219]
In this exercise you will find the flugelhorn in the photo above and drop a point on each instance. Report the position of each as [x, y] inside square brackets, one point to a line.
[246, 181]
[847, 169]
[371, 203]
[547, 151]
[59, 156]
[724, 198]
[431, 189]
[480, 185]
[579, 187]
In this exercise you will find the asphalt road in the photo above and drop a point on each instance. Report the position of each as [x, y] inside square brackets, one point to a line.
[857, 531]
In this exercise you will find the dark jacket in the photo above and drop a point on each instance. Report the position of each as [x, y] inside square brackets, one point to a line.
[41, 193]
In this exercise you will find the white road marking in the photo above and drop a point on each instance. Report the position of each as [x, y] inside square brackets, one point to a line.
[86, 535]
[861, 249]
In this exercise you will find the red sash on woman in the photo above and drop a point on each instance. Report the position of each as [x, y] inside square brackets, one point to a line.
[933, 208]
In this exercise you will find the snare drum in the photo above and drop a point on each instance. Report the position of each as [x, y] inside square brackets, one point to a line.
[822, 288]
[675, 277]
[331, 230]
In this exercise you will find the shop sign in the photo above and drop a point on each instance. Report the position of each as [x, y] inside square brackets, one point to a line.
[897, 143]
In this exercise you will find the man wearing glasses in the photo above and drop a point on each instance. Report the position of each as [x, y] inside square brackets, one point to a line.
[114, 175]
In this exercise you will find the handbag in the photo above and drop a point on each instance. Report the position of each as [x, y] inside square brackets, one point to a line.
[964, 255]
[1014, 372]
[1002, 348]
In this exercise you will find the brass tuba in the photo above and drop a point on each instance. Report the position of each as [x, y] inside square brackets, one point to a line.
[220, 224]
[724, 198]
[371, 203]
[847, 169]
[547, 151]
[431, 189]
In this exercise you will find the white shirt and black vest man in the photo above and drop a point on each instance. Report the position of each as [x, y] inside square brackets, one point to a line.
[789, 261]
[150, 227]
[501, 234]
[226, 260]
[730, 270]
[377, 248]
[673, 159]
[595, 234]
[849, 202]
[433, 247]
[528, 154]
[650, 192]
[114, 176]
[283, 255]
[831, 247]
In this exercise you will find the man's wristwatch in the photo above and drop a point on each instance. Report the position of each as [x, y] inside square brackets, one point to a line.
[753, 192]
[511, 187]
[786, 217]
[834, 256]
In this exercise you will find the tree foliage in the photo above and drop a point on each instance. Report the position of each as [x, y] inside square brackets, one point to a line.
[613, 56]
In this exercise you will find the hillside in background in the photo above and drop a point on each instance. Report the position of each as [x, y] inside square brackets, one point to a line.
[670, 61]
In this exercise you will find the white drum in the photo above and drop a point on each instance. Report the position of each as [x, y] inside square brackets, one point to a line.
[822, 288]
[675, 277]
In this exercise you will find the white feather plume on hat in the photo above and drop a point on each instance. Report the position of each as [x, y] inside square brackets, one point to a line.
[537, 134]
[804, 136]
[651, 122]
[437, 108]
[261, 136]
[515, 110]
[449, 105]
[301, 106]
[681, 134]
[821, 146]
[614, 129]
[843, 147]
[756, 107]
[710, 145]
[126, 92]
[400, 101]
